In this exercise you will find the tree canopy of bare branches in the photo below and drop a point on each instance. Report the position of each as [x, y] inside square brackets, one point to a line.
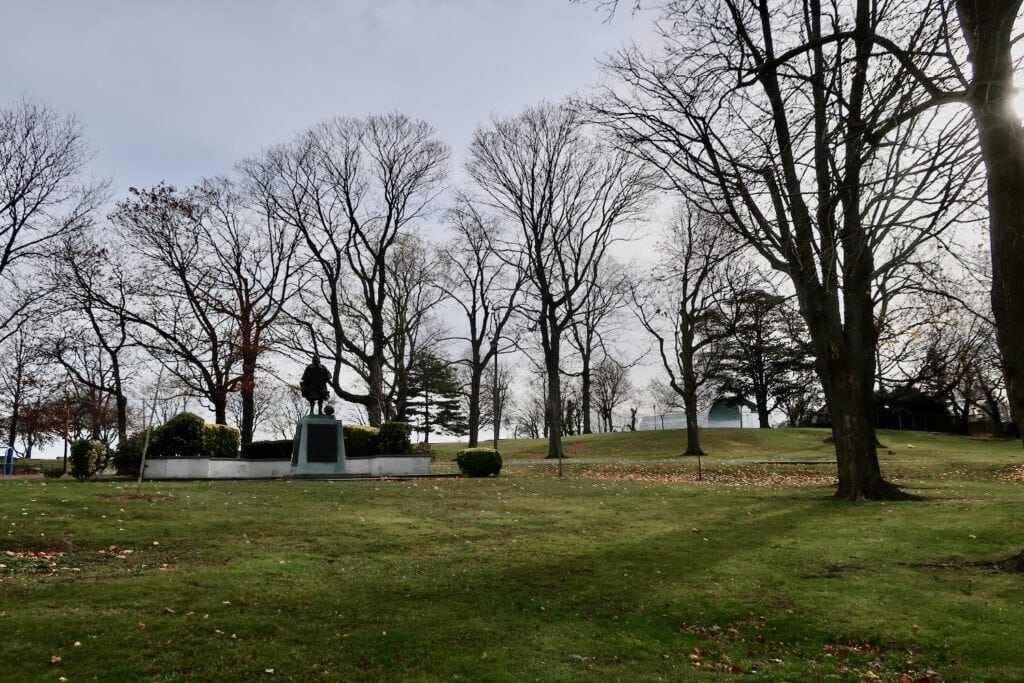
[351, 188]
[789, 121]
[566, 194]
[44, 196]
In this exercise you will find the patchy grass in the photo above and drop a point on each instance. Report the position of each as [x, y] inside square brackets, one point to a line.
[615, 572]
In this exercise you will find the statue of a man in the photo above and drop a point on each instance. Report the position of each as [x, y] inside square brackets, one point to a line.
[314, 384]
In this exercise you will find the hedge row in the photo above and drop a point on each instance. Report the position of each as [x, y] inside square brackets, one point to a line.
[360, 442]
[186, 435]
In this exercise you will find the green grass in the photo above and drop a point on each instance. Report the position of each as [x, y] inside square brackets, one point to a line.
[799, 444]
[527, 576]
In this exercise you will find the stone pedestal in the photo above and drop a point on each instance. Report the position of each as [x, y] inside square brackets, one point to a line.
[319, 448]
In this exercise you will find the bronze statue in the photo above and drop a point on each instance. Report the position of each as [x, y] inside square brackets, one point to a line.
[314, 385]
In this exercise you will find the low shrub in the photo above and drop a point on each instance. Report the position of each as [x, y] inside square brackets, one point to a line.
[268, 450]
[422, 448]
[479, 462]
[394, 438]
[53, 472]
[361, 441]
[220, 441]
[180, 436]
[88, 457]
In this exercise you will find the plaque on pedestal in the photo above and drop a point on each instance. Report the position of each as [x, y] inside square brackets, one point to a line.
[319, 447]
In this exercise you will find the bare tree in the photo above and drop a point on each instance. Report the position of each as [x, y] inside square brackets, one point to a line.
[682, 308]
[611, 387]
[566, 194]
[287, 407]
[786, 116]
[216, 282]
[606, 299]
[93, 343]
[485, 287]
[988, 30]
[412, 294]
[252, 257]
[24, 380]
[351, 187]
[44, 196]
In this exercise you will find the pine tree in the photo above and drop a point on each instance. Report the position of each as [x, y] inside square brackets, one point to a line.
[435, 397]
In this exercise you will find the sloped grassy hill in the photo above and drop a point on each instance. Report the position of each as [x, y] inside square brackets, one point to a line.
[766, 444]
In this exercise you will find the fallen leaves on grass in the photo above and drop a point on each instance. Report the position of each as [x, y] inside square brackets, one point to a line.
[735, 478]
[32, 554]
[148, 498]
[750, 645]
[1013, 474]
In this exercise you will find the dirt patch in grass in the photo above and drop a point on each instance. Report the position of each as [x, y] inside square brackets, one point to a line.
[122, 497]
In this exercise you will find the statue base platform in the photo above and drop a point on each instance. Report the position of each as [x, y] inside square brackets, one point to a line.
[319, 448]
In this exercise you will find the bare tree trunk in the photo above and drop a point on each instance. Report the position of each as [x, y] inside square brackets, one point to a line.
[860, 477]
[475, 380]
[690, 407]
[585, 394]
[246, 389]
[552, 351]
[988, 28]
[762, 411]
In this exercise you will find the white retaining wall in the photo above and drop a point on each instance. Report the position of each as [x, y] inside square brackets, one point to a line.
[234, 468]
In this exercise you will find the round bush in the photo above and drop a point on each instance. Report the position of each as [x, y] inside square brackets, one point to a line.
[221, 441]
[479, 462]
[87, 458]
[181, 436]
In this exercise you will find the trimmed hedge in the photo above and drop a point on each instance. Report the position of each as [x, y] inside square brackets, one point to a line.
[181, 436]
[479, 462]
[88, 457]
[268, 450]
[361, 441]
[221, 441]
[394, 438]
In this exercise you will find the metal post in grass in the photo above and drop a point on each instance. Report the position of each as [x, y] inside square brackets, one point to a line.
[149, 430]
[494, 389]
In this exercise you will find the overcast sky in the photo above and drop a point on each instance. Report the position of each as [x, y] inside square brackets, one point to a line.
[177, 90]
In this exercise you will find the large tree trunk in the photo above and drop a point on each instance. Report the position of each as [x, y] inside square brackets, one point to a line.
[219, 399]
[552, 350]
[988, 29]
[475, 379]
[13, 426]
[375, 389]
[247, 388]
[690, 405]
[762, 410]
[860, 477]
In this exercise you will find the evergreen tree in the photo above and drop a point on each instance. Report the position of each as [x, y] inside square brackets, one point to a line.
[435, 397]
[766, 354]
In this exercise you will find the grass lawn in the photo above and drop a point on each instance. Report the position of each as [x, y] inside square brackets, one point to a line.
[628, 572]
